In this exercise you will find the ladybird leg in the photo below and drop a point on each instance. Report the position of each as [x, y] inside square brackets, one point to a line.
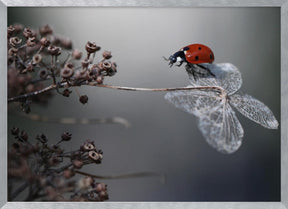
[190, 68]
[211, 72]
[195, 75]
[208, 70]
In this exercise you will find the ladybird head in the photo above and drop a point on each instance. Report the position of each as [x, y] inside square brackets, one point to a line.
[172, 60]
[176, 57]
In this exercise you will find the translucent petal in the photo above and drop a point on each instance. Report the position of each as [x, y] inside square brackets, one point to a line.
[195, 102]
[254, 110]
[222, 129]
[217, 121]
[227, 76]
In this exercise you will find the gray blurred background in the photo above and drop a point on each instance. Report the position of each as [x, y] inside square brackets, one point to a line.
[164, 139]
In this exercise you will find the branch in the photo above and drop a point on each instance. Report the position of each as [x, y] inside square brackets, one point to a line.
[70, 120]
[53, 86]
[18, 191]
[209, 88]
[35, 93]
[124, 176]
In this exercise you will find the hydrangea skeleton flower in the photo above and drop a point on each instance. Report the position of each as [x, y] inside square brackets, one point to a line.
[216, 119]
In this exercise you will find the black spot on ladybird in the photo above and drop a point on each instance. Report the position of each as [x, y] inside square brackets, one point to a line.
[196, 57]
[186, 48]
[199, 48]
[211, 56]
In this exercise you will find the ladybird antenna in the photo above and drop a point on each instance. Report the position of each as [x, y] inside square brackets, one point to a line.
[170, 62]
[165, 58]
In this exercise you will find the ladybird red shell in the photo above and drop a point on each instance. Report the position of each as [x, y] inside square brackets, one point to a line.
[198, 53]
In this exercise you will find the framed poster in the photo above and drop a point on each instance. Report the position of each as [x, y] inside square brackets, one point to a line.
[163, 140]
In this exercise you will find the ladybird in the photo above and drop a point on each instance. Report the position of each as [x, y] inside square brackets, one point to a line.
[193, 54]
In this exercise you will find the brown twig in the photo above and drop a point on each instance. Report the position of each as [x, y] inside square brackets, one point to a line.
[129, 175]
[31, 94]
[72, 120]
[213, 88]
[53, 86]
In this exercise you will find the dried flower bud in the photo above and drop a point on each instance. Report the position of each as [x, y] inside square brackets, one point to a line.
[66, 136]
[66, 93]
[37, 58]
[93, 155]
[83, 99]
[54, 50]
[42, 138]
[67, 72]
[113, 70]
[77, 164]
[55, 147]
[31, 41]
[66, 43]
[45, 30]
[91, 47]
[28, 33]
[81, 74]
[10, 30]
[43, 73]
[100, 187]
[106, 55]
[29, 68]
[68, 173]
[114, 66]
[69, 65]
[18, 27]
[15, 131]
[103, 195]
[76, 54]
[53, 161]
[100, 156]
[14, 41]
[93, 72]
[85, 183]
[45, 42]
[24, 135]
[95, 69]
[106, 65]
[85, 63]
[100, 79]
[12, 51]
[87, 146]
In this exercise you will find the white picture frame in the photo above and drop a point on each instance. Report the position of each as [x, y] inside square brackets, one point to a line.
[283, 4]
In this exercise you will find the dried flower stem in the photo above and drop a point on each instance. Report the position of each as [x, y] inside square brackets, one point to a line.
[52, 70]
[73, 120]
[54, 86]
[18, 190]
[213, 88]
[140, 174]
[25, 96]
